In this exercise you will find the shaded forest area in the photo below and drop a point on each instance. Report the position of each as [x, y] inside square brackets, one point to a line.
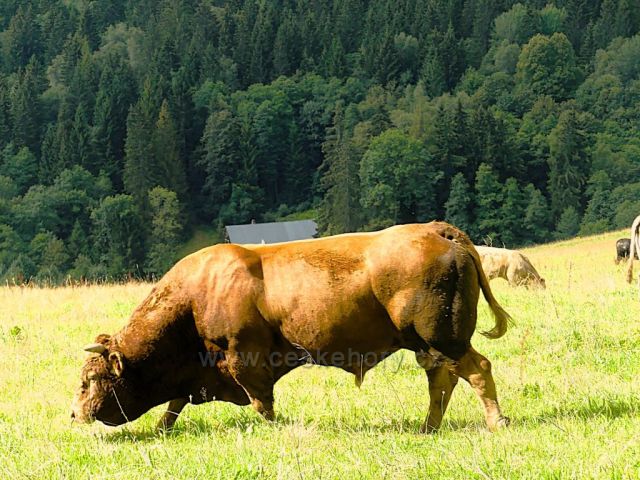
[126, 124]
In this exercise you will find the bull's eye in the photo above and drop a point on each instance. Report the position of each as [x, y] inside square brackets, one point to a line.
[92, 377]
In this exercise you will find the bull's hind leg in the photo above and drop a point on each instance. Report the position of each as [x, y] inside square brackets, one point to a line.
[249, 365]
[441, 385]
[476, 369]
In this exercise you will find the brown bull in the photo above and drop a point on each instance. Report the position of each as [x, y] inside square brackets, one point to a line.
[228, 321]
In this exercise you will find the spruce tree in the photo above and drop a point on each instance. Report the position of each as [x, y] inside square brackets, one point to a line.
[80, 141]
[22, 40]
[140, 167]
[599, 214]
[171, 168]
[537, 216]
[26, 108]
[568, 163]
[459, 203]
[568, 224]
[512, 214]
[489, 198]
[340, 209]
[166, 229]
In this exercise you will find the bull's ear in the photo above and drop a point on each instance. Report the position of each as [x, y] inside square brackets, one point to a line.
[116, 360]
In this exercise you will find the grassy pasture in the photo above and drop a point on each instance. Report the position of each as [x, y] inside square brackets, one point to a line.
[567, 374]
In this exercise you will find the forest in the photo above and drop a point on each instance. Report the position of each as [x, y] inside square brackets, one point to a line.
[127, 125]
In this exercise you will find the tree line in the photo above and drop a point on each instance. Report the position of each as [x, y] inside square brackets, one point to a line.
[124, 125]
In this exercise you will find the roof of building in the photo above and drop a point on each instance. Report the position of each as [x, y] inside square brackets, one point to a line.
[273, 232]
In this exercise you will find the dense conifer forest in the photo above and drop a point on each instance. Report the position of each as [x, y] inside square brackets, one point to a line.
[125, 125]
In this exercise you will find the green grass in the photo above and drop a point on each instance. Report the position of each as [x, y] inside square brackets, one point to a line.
[567, 374]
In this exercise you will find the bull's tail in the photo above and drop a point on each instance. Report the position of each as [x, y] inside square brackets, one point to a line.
[502, 318]
[634, 247]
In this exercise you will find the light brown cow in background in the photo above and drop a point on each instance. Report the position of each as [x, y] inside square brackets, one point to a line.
[511, 265]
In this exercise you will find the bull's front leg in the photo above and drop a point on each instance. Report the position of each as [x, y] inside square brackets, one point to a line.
[249, 365]
[169, 417]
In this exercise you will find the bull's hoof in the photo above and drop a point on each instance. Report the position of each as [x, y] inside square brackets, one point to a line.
[429, 429]
[500, 423]
[164, 426]
[269, 415]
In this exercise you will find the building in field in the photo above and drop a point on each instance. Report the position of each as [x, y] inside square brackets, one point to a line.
[273, 232]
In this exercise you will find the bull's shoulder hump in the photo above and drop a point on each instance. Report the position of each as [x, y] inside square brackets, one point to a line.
[220, 254]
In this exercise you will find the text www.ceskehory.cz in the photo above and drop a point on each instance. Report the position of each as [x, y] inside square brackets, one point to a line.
[304, 357]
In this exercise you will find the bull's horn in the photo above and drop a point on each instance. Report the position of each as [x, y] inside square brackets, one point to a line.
[95, 348]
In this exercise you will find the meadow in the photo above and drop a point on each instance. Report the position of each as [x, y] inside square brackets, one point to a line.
[567, 373]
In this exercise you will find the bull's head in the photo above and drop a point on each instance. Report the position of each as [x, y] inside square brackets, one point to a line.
[106, 392]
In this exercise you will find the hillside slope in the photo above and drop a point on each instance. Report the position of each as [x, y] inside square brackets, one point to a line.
[567, 374]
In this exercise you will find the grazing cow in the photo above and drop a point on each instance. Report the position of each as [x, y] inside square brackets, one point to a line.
[623, 245]
[511, 265]
[635, 247]
[227, 322]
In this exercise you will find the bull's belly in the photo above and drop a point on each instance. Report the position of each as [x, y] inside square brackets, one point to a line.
[323, 336]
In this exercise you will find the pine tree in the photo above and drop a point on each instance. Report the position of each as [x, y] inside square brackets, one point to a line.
[77, 242]
[599, 215]
[333, 59]
[512, 214]
[568, 163]
[22, 41]
[221, 159]
[489, 198]
[25, 107]
[286, 48]
[114, 98]
[433, 73]
[119, 240]
[459, 203]
[5, 113]
[537, 216]
[166, 229]
[80, 141]
[140, 168]
[167, 155]
[627, 17]
[340, 209]
[262, 41]
[568, 224]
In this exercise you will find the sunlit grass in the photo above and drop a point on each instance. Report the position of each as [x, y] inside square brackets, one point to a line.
[567, 375]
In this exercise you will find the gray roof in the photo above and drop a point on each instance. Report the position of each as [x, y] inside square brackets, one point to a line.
[273, 232]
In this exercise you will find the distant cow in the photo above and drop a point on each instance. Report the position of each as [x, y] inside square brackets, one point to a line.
[623, 246]
[227, 322]
[511, 265]
[635, 246]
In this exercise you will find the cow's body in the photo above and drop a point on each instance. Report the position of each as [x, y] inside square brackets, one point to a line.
[634, 247]
[229, 321]
[510, 265]
[623, 247]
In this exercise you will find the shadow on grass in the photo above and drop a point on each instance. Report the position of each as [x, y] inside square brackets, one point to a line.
[246, 421]
[611, 409]
[250, 422]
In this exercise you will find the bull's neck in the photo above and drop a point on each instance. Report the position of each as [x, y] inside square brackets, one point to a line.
[160, 330]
